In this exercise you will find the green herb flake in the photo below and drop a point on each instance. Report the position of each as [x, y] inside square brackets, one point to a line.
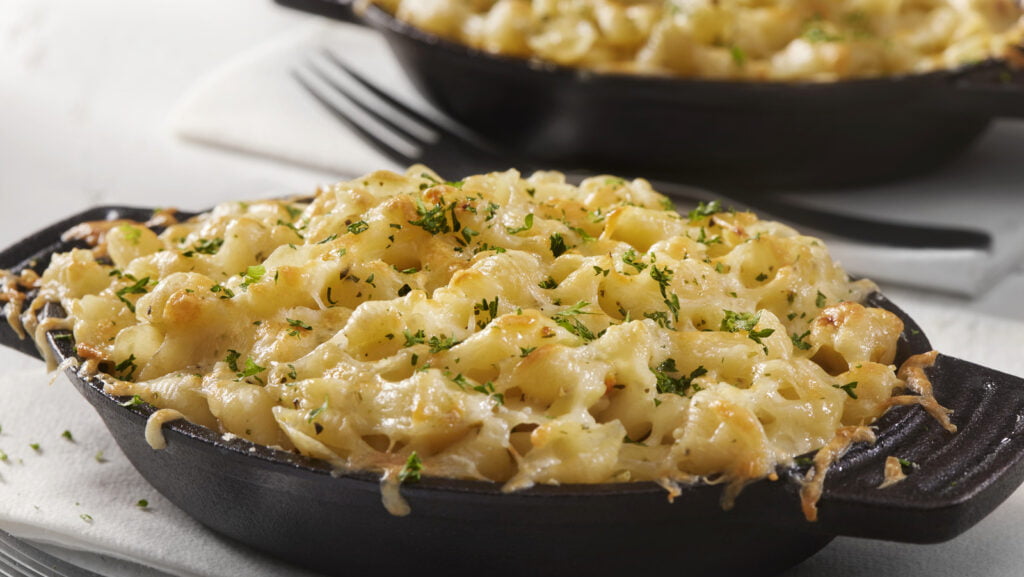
[358, 227]
[135, 401]
[441, 343]
[681, 385]
[433, 220]
[252, 275]
[799, 342]
[417, 338]
[412, 469]
[132, 234]
[705, 210]
[139, 287]
[204, 246]
[126, 368]
[567, 319]
[557, 245]
[527, 225]
[848, 388]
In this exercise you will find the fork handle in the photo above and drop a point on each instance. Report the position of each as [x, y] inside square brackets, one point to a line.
[343, 10]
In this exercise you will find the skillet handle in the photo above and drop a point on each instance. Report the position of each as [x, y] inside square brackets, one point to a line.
[956, 479]
[343, 10]
[995, 89]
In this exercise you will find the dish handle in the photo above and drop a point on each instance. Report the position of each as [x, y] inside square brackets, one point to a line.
[994, 89]
[953, 480]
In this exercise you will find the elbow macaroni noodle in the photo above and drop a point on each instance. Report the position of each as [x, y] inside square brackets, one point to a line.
[520, 330]
[730, 39]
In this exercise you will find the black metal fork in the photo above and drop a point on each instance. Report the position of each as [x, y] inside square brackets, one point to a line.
[19, 559]
[409, 136]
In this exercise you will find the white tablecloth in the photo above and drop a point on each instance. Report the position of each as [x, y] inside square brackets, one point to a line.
[93, 99]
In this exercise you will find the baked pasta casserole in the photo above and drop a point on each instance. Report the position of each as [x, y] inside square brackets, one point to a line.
[515, 329]
[731, 39]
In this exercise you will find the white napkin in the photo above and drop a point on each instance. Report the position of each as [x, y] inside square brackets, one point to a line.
[80, 492]
[62, 495]
[253, 105]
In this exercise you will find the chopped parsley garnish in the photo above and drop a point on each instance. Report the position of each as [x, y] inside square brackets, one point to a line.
[131, 233]
[297, 327]
[527, 225]
[204, 246]
[312, 415]
[417, 338]
[567, 319]
[680, 385]
[225, 292]
[703, 238]
[126, 368]
[358, 227]
[557, 244]
[848, 388]
[140, 287]
[488, 389]
[705, 210]
[135, 401]
[736, 322]
[906, 465]
[412, 469]
[799, 342]
[251, 369]
[433, 220]
[816, 32]
[739, 57]
[252, 275]
[630, 258]
[820, 300]
[441, 343]
[485, 306]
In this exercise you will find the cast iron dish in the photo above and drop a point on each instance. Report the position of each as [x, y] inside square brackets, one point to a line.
[740, 135]
[296, 509]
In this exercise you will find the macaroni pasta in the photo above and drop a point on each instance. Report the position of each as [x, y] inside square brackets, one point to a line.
[520, 330]
[730, 39]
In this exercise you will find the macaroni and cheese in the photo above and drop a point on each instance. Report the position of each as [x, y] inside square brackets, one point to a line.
[515, 329]
[730, 39]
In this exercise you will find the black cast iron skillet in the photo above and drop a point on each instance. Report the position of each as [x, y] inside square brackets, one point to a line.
[737, 136]
[295, 508]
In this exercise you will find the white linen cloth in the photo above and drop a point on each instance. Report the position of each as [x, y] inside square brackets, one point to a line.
[61, 494]
[252, 104]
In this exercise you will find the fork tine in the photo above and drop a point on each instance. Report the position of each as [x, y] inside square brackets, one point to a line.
[385, 148]
[390, 100]
[19, 559]
[425, 133]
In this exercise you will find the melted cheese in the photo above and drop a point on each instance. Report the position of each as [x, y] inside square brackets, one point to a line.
[520, 330]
